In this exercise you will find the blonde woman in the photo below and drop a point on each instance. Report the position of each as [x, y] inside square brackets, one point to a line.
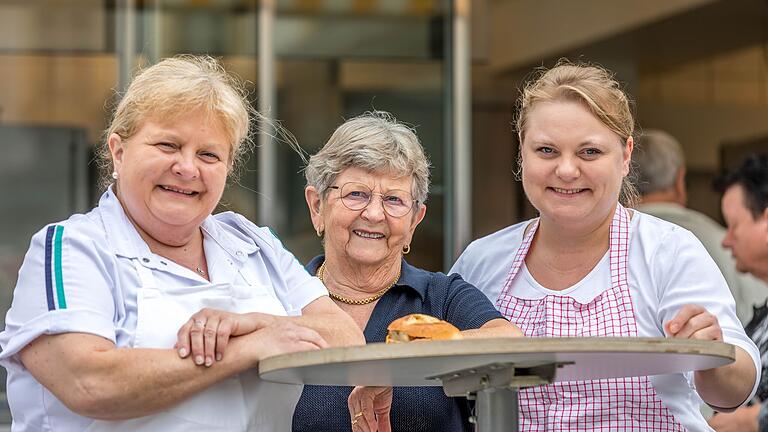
[588, 266]
[91, 338]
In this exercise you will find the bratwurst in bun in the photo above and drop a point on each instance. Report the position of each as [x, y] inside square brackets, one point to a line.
[420, 327]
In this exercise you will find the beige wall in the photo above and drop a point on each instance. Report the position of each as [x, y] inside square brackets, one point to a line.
[53, 25]
[524, 32]
[57, 90]
[708, 103]
[706, 98]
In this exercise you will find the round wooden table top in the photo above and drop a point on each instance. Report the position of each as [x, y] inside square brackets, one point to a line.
[418, 363]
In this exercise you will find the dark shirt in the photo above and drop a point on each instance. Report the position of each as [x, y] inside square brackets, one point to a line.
[423, 409]
[757, 330]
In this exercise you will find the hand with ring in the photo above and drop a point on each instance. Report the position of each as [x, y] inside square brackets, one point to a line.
[206, 334]
[369, 409]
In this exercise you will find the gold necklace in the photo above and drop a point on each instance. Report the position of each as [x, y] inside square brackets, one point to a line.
[347, 300]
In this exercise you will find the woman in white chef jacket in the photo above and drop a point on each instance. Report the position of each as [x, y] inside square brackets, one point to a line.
[91, 337]
[587, 266]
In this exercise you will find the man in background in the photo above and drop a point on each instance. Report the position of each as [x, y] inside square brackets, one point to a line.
[745, 209]
[661, 181]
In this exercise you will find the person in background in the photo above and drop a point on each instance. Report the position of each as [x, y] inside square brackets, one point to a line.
[366, 192]
[745, 210]
[90, 341]
[589, 266]
[660, 166]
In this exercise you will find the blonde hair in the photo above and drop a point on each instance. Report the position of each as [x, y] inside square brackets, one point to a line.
[175, 86]
[596, 89]
[375, 142]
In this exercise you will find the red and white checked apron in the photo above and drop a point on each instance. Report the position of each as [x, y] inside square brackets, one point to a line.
[620, 404]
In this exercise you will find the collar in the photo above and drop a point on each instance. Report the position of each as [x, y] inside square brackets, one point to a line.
[232, 240]
[410, 277]
[126, 241]
[661, 207]
[122, 235]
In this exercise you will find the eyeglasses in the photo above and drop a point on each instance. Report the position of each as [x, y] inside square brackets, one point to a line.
[357, 196]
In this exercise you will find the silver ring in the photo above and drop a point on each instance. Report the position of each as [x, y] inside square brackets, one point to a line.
[199, 323]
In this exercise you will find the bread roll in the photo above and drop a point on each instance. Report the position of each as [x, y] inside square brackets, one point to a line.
[420, 327]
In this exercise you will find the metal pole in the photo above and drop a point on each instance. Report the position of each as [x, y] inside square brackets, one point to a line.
[496, 410]
[155, 33]
[448, 136]
[462, 123]
[126, 41]
[267, 185]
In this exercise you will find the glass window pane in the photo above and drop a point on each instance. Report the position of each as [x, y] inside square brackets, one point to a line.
[338, 62]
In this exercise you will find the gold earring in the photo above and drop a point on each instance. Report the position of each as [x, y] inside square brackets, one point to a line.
[406, 249]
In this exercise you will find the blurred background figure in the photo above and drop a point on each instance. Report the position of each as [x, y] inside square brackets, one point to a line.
[660, 166]
[745, 209]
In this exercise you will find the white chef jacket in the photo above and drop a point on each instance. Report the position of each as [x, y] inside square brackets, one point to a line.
[668, 268]
[79, 275]
[748, 291]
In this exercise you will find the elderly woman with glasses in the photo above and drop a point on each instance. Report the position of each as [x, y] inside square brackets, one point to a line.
[365, 191]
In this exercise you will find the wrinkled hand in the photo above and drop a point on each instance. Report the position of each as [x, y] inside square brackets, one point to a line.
[694, 322]
[369, 409]
[283, 337]
[743, 419]
[206, 334]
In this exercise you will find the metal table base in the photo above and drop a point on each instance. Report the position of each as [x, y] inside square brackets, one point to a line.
[494, 388]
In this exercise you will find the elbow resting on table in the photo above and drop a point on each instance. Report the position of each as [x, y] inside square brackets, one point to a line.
[351, 334]
[727, 387]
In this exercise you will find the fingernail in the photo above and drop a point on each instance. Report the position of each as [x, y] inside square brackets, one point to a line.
[199, 360]
[218, 356]
[208, 361]
[183, 352]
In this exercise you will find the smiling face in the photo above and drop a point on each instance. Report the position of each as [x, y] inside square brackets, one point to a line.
[369, 237]
[747, 236]
[573, 165]
[171, 175]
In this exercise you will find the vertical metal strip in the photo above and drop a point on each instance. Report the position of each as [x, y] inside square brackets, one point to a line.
[126, 41]
[153, 35]
[462, 127]
[267, 185]
[448, 135]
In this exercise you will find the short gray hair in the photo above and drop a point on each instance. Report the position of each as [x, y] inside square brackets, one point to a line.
[375, 142]
[658, 158]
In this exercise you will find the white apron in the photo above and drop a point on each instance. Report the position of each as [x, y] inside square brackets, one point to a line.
[240, 403]
[618, 404]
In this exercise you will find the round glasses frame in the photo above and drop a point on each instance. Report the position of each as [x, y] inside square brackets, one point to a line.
[357, 204]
